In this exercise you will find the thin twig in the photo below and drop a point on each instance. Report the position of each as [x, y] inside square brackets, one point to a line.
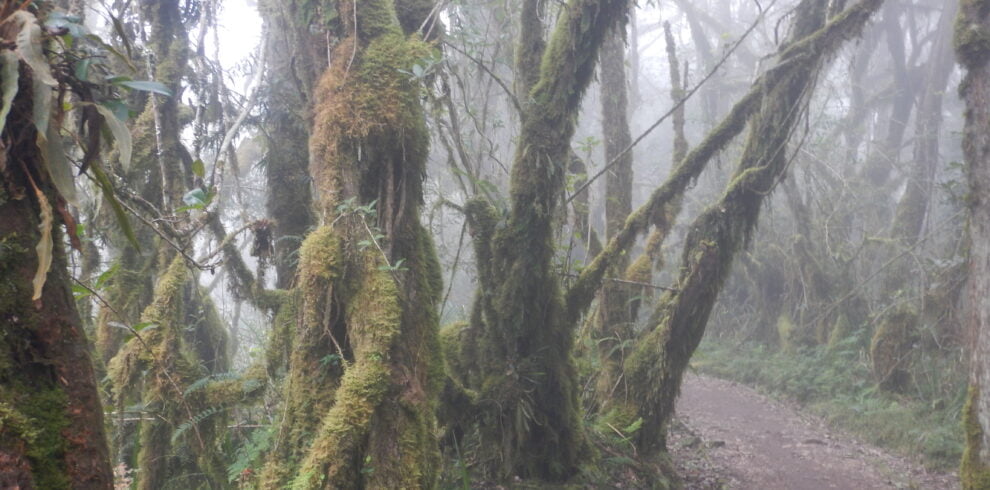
[512, 96]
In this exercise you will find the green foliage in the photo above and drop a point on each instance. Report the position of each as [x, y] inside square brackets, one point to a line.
[195, 420]
[837, 383]
[248, 455]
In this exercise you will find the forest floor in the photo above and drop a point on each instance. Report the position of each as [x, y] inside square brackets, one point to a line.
[727, 435]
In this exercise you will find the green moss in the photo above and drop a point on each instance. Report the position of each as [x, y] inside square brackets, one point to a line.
[13, 424]
[319, 255]
[46, 411]
[374, 315]
[34, 419]
[974, 473]
[156, 371]
[842, 329]
[32, 405]
[891, 346]
[278, 350]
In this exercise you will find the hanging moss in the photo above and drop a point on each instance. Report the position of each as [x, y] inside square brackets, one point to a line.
[279, 346]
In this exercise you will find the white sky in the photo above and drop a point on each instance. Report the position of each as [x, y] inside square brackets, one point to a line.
[239, 28]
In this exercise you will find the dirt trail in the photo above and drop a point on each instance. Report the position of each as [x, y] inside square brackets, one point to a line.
[751, 442]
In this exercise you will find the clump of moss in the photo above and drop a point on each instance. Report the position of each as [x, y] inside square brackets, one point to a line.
[973, 473]
[891, 346]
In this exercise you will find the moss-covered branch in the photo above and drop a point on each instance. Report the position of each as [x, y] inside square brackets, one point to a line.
[793, 59]
[155, 367]
[656, 366]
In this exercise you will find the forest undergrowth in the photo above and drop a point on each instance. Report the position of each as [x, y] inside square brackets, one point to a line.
[836, 383]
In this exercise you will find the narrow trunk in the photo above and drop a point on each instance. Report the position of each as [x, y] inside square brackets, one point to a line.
[972, 31]
[614, 317]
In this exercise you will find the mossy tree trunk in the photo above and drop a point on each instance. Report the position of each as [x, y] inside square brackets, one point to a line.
[972, 46]
[177, 441]
[532, 429]
[181, 437]
[365, 367]
[155, 172]
[615, 315]
[657, 365]
[51, 418]
[294, 62]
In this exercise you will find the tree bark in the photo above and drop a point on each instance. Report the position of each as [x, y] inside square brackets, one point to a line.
[51, 415]
[972, 31]
[614, 316]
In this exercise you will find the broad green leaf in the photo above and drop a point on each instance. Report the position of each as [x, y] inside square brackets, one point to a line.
[59, 167]
[120, 133]
[119, 109]
[45, 245]
[145, 85]
[195, 197]
[41, 110]
[199, 168]
[81, 68]
[140, 327]
[8, 85]
[105, 277]
[80, 292]
[29, 47]
[115, 79]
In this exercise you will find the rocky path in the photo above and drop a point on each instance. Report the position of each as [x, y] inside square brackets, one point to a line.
[729, 436]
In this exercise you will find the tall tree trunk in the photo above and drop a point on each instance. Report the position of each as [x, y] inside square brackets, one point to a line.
[886, 155]
[533, 429]
[294, 62]
[657, 365]
[365, 366]
[51, 418]
[614, 317]
[972, 50]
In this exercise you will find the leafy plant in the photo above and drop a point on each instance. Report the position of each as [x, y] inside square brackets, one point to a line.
[250, 453]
